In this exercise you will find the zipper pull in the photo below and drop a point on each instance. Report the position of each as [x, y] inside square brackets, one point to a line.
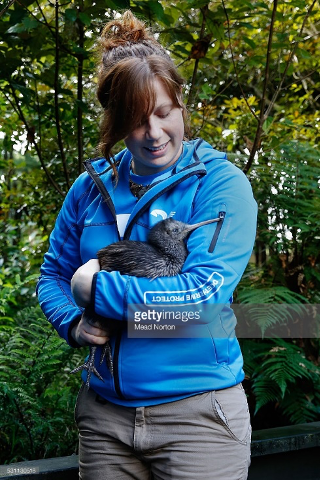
[217, 232]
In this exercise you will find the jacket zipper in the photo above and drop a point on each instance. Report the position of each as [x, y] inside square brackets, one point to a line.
[217, 232]
[116, 365]
[133, 221]
[102, 190]
[105, 195]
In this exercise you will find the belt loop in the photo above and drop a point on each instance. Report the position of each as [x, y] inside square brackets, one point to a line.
[139, 420]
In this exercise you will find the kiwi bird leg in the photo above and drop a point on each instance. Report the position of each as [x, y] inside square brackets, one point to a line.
[89, 366]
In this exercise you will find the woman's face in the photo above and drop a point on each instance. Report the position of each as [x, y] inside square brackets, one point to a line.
[157, 144]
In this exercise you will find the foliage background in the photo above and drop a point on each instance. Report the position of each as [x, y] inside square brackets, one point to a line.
[253, 90]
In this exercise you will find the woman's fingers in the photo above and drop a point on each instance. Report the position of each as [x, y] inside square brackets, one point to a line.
[86, 333]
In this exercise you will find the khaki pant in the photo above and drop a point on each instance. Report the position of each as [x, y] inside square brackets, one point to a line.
[204, 437]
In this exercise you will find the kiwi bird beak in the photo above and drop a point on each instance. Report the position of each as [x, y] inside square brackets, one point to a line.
[190, 228]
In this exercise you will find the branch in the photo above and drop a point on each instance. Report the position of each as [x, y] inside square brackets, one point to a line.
[267, 68]
[38, 111]
[44, 19]
[204, 11]
[45, 22]
[224, 88]
[35, 17]
[79, 115]
[265, 115]
[20, 114]
[6, 8]
[301, 79]
[235, 65]
[79, 97]
[212, 102]
[193, 81]
[56, 100]
[262, 116]
[279, 88]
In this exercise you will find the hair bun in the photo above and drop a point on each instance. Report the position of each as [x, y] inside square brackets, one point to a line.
[126, 30]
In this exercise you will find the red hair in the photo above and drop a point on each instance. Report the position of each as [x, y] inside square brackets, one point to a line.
[131, 60]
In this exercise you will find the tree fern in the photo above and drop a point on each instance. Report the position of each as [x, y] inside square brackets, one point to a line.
[280, 373]
[300, 406]
[284, 363]
[280, 290]
[286, 186]
[274, 310]
[265, 391]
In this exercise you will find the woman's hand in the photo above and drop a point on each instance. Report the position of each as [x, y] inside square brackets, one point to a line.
[81, 282]
[84, 333]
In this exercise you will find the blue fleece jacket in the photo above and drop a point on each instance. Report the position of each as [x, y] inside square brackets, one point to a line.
[191, 346]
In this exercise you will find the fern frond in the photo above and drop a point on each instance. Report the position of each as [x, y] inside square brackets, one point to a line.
[270, 307]
[265, 391]
[299, 408]
[280, 365]
[269, 295]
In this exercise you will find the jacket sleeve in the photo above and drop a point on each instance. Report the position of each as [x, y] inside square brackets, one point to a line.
[60, 263]
[218, 252]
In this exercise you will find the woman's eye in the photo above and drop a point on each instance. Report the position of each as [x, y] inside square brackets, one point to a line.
[163, 115]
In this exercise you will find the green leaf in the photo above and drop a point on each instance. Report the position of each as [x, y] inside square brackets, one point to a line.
[18, 28]
[30, 23]
[82, 105]
[250, 42]
[216, 28]
[267, 124]
[206, 89]
[85, 19]
[80, 50]
[115, 4]
[26, 92]
[71, 15]
[157, 9]
[215, 48]
[196, 3]
[255, 61]
[249, 26]
[301, 52]
[262, 5]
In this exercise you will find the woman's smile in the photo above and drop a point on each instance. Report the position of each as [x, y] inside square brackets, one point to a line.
[157, 149]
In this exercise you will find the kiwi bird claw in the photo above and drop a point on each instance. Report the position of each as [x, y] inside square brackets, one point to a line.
[89, 366]
[106, 352]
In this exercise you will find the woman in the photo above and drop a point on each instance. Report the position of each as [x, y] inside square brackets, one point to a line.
[174, 407]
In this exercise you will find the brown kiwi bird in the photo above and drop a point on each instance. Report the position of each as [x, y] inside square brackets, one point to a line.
[162, 255]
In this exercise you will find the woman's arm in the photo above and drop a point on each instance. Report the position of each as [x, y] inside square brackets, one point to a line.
[81, 282]
[60, 264]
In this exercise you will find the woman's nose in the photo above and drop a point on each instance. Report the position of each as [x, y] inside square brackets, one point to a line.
[153, 128]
